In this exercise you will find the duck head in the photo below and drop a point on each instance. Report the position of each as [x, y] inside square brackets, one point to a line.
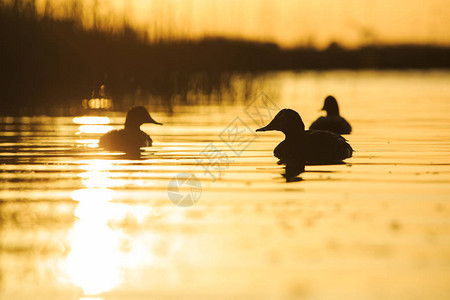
[330, 106]
[137, 116]
[286, 121]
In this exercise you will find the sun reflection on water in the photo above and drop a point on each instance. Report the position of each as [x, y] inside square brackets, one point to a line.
[101, 249]
[94, 129]
[91, 143]
[93, 262]
[91, 125]
[91, 120]
[97, 174]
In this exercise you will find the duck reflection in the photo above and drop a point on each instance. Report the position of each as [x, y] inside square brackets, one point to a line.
[302, 147]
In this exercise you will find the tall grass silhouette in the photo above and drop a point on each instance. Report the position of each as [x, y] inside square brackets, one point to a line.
[49, 61]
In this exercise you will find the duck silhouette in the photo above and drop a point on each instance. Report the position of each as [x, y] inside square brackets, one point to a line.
[333, 121]
[302, 147]
[131, 138]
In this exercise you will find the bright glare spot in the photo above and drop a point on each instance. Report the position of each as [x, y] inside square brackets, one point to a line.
[91, 120]
[87, 141]
[94, 129]
[97, 103]
[93, 194]
[97, 175]
[91, 143]
[98, 252]
[92, 262]
[97, 165]
[100, 181]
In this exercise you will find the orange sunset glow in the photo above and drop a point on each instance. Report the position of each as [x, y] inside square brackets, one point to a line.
[224, 149]
[290, 22]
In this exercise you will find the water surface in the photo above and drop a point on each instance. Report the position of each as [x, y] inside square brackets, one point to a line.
[80, 222]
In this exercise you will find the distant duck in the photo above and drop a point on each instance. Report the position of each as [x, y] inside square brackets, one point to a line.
[333, 121]
[302, 147]
[131, 138]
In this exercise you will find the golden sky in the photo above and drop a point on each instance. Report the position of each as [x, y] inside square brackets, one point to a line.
[290, 22]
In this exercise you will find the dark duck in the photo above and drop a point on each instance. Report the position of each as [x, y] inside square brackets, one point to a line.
[131, 138]
[333, 121]
[302, 147]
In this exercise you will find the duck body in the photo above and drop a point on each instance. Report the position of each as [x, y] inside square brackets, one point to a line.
[131, 138]
[336, 124]
[314, 147]
[125, 140]
[302, 147]
[333, 121]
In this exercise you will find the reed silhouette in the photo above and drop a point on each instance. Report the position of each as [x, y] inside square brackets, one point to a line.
[302, 147]
[333, 121]
[50, 61]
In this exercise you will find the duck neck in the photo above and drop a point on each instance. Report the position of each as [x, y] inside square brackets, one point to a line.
[294, 133]
[333, 111]
[132, 126]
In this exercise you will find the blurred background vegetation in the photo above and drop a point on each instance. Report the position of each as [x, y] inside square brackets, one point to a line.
[49, 61]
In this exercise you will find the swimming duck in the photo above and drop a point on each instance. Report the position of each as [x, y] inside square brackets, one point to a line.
[333, 121]
[131, 138]
[302, 147]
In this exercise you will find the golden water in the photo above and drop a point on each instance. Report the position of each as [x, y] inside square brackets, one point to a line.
[79, 222]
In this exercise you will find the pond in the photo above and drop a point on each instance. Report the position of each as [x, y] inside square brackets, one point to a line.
[205, 212]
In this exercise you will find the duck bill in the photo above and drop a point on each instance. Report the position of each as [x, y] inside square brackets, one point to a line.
[150, 120]
[265, 128]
